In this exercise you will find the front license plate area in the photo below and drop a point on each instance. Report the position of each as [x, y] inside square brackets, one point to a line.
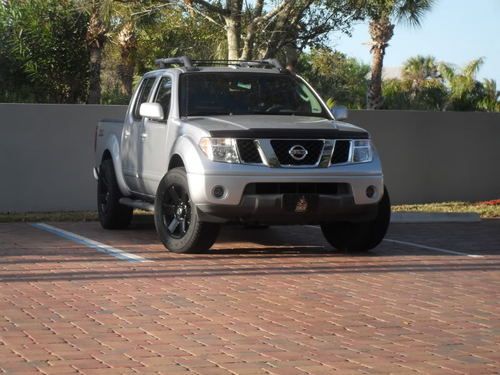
[300, 203]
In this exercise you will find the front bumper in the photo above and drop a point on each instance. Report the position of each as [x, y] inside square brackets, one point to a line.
[201, 186]
[239, 205]
[290, 209]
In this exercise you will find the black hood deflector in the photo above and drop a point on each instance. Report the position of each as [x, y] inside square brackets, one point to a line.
[264, 133]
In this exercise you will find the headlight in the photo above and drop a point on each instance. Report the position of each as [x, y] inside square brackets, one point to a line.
[362, 151]
[220, 149]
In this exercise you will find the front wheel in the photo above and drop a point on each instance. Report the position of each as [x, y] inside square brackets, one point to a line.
[177, 222]
[360, 237]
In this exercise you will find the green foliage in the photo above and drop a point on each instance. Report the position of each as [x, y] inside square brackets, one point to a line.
[43, 47]
[44, 53]
[406, 11]
[420, 88]
[169, 31]
[418, 69]
[336, 76]
[400, 94]
[429, 85]
[396, 94]
[330, 103]
[465, 92]
[176, 33]
[491, 96]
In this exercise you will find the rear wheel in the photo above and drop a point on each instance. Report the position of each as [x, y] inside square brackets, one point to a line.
[112, 214]
[360, 237]
[176, 218]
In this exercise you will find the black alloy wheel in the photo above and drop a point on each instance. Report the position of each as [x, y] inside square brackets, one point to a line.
[176, 211]
[177, 221]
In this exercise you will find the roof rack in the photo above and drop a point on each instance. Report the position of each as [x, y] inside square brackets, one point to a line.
[191, 65]
[184, 61]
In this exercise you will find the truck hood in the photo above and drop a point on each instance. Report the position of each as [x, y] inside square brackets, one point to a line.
[273, 125]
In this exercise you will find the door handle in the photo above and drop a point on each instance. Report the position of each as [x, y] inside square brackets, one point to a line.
[127, 133]
[144, 136]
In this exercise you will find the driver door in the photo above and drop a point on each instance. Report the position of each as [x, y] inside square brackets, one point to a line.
[132, 137]
[155, 141]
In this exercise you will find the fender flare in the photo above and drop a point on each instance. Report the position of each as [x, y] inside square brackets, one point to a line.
[190, 155]
[113, 146]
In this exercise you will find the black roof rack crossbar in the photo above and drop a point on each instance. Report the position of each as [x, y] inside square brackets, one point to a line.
[189, 64]
[272, 63]
[183, 61]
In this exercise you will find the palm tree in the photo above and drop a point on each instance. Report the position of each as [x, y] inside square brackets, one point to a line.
[490, 101]
[383, 15]
[127, 40]
[118, 21]
[465, 90]
[418, 69]
[100, 12]
[130, 17]
[423, 83]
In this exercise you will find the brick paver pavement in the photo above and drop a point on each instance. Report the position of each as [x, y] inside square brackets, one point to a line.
[274, 301]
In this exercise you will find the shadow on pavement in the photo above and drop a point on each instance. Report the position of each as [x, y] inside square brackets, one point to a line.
[235, 270]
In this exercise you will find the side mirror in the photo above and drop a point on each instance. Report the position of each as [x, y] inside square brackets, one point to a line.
[340, 112]
[153, 111]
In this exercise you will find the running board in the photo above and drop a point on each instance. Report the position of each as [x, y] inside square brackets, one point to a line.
[137, 204]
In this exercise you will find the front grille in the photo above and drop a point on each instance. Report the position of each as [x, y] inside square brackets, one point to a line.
[341, 152]
[248, 151]
[282, 147]
[262, 188]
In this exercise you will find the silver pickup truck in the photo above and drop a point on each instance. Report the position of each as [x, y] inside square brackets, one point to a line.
[210, 142]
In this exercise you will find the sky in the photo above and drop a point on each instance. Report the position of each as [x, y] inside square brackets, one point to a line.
[455, 31]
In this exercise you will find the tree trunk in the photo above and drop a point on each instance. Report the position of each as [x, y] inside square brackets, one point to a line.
[96, 37]
[95, 76]
[233, 39]
[284, 30]
[247, 52]
[381, 31]
[128, 44]
[233, 28]
[248, 42]
[292, 58]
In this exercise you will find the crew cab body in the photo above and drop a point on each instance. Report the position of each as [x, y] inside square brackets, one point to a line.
[248, 155]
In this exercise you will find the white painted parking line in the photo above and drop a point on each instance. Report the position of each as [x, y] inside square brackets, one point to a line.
[103, 248]
[433, 248]
[422, 246]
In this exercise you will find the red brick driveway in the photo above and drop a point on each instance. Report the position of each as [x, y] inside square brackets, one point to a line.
[274, 301]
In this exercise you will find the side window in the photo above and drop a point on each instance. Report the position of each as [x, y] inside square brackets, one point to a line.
[144, 91]
[164, 94]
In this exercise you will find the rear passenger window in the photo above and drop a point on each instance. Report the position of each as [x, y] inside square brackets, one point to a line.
[144, 91]
[164, 94]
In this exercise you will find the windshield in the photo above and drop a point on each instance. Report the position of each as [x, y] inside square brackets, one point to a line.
[210, 94]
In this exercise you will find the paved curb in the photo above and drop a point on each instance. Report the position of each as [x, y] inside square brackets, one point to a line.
[435, 217]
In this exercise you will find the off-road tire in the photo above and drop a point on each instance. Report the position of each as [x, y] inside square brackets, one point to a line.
[112, 214]
[362, 236]
[176, 218]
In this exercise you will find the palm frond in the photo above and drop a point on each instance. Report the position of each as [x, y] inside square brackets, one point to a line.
[412, 11]
[447, 71]
[472, 68]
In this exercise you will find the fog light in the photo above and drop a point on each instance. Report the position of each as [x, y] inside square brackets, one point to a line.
[370, 191]
[218, 192]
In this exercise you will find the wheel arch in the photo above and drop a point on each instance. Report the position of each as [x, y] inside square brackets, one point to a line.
[176, 162]
[188, 153]
[111, 150]
[106, 155]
